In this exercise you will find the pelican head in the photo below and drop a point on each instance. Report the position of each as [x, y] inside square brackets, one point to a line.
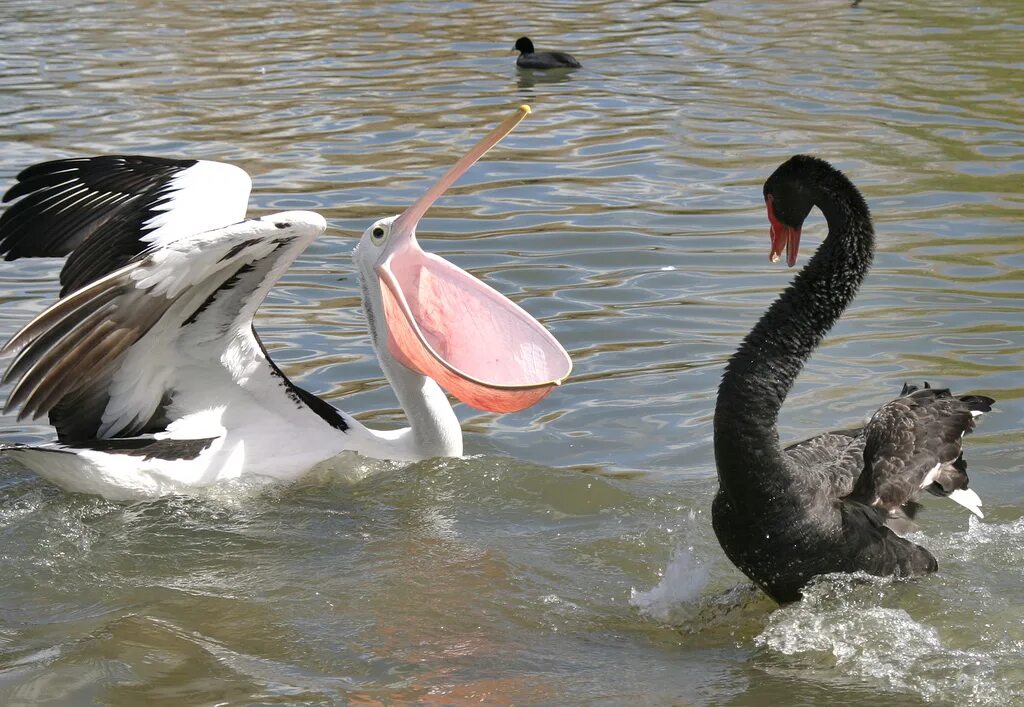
[443, 323]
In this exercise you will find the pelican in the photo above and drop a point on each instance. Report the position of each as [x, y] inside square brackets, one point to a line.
[148, 365]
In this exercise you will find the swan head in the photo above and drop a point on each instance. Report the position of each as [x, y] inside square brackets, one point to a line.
[789, 197]
[443, 323]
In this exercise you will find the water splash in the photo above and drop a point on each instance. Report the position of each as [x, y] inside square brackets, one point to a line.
[843, 626]
[681, 584]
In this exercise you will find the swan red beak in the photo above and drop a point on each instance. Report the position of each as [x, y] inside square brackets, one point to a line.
[444, 323]
[782, 236]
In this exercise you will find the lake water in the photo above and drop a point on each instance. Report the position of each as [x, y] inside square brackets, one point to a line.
[569, 558]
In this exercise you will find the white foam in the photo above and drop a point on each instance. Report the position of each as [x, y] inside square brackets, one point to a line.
[998, 543]
[844, 626]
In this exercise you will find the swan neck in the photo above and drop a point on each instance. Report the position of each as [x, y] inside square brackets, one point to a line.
[762, 371]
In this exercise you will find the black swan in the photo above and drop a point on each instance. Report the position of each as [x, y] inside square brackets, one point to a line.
[530, 59]
[833, 502]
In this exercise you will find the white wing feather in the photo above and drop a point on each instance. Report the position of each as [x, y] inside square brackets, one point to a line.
[142, 308]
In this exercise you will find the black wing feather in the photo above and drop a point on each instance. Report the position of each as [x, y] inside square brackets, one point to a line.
[917, 434]
[93, 208]
[835, 457]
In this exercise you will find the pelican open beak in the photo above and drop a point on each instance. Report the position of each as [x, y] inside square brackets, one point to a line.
[783, 236]
[444, 323]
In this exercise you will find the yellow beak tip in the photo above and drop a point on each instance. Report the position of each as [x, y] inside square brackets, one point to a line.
[525, 109]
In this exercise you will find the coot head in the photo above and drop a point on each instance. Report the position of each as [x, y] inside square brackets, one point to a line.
[524, 45]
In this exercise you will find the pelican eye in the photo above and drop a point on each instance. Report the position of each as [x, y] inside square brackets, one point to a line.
[377, 233]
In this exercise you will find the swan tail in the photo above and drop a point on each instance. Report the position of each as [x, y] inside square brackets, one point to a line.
[951, 481]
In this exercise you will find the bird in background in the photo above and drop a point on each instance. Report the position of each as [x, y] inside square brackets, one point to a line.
[529, 58]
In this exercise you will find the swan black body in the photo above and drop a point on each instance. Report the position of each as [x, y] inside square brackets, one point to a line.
[829, 504]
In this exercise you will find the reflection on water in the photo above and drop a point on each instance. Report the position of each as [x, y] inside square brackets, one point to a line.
[626, 213]
[528, 78]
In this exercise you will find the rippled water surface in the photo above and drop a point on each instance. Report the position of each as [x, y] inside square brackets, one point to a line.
[570, 557]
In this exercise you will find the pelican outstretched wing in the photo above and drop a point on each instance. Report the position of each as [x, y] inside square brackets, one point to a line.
[104, 211]
[162, 274]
